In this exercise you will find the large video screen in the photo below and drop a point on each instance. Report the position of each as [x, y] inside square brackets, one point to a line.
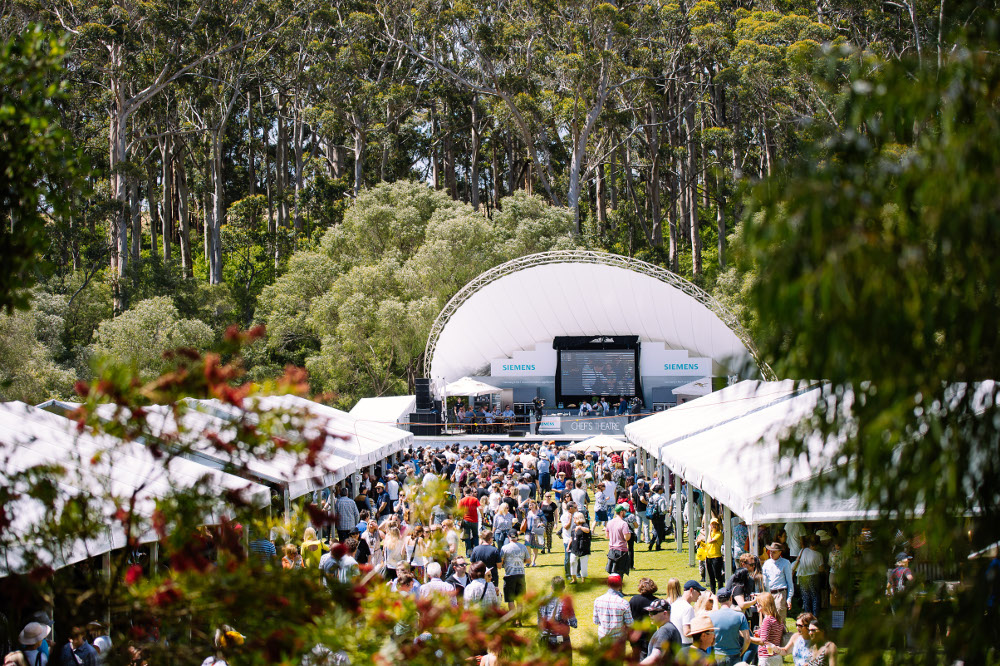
[586, 373]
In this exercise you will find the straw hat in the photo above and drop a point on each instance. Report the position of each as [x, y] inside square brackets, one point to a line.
[700, 625]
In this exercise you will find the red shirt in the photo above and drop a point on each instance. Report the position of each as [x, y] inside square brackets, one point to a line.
[471, 505]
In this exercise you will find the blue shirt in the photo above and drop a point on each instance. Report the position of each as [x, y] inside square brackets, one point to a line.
[543, 466]
[778, 575]
[264, 550]
[85, 655]
[728, 624]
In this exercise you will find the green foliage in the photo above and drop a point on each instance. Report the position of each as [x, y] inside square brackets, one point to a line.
[39, 171]
[246, 243]
[874, 267]
[139, 336]
[30, 342]
[359, 311]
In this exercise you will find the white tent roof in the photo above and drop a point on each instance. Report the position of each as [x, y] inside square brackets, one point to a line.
[284, 468]
[600, 443]
[98, 467]
[659, 430]
[737, 462]
[362, 442]
[468, 386]
[390, 410]
[512, 308]
[697, 388]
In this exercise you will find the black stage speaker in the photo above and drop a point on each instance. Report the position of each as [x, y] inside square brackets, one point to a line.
[422, 385]
[426, 424]
[517, 433]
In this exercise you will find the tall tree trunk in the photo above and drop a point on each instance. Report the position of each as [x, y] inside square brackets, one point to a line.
[154, 209]
[474, 157]
[495, 173]
[692, 175]
[183, 218]
[601, 198]
[251, 149]
[281, 163]
[298, 129]
[653, 188]
[720, 220]
[219, 213]
[359, 158]
[118, 230]
[135, 211]
[166, 145]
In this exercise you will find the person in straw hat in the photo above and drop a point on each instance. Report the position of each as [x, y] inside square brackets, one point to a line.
[777, 572]
[31, 638]
[702, 636]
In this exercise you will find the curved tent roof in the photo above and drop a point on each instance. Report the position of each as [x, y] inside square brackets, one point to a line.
[727, 444]
[664, 428]
[363, 442]
[97, 467]
[391, 410]
[537, 298]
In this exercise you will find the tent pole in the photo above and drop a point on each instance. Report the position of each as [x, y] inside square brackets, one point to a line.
[691, 524]
[288, 507]
[678, 515]
[727, 530]
[106, 570]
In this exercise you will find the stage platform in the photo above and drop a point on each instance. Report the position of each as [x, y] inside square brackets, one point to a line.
[476, 440]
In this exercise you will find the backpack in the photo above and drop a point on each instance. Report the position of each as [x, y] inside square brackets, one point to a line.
[653, 508]
[538, 525]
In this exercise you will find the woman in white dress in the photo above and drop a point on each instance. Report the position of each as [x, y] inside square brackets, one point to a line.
[393, 549]
[415, 552]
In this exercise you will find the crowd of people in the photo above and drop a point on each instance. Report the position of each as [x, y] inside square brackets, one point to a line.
[443, 523]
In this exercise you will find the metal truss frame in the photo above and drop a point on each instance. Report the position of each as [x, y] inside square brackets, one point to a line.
[597, 258]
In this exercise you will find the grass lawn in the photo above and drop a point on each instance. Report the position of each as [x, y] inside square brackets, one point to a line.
[660, 566]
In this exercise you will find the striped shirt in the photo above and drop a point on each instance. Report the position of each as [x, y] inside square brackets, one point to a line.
[611, 615]
[347, 514]
[481, 592]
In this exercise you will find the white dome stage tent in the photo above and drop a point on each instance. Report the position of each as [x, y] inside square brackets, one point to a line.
[504, 323]
[536, 298]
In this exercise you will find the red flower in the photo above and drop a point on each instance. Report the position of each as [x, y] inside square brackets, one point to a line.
[133, 574]
[166, 594]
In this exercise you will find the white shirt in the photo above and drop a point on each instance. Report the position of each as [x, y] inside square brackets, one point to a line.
[794, 531]
[567, 521]
[392, 487]
[808, 563]
[681, 613]
[579, 496]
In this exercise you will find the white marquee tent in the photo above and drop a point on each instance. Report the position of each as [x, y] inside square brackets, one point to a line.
[283, 469]
[659, 430]
[361, 441]
[391, 410]
[97, 467]
[738, 464]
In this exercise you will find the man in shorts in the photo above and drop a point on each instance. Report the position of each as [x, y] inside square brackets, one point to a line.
[513, 555]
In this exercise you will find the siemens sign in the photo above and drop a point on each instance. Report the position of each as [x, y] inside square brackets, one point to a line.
[656, 361]
[513, 367]
[681, 366]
